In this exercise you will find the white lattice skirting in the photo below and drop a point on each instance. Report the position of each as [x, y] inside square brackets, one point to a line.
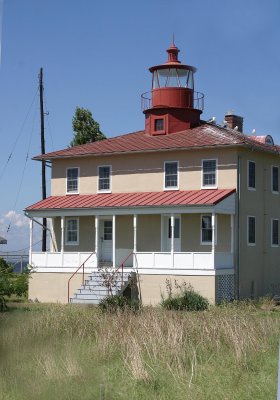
[225, 288]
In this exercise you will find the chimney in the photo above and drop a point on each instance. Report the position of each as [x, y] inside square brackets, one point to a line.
[234, 121]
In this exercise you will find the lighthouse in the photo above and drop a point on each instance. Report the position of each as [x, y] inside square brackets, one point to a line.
[172, 105]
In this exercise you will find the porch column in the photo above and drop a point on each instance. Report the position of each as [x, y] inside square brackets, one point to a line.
[134, 237]
[213, 223]
[172, 239]
[114, 241]
[134, 233]
[62, 239]
[96, 238]
[232, 233]
[30, 240]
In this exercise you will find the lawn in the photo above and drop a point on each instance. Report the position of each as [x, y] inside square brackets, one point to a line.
[64, 352]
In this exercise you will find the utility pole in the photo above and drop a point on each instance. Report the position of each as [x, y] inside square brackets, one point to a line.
[43, 151]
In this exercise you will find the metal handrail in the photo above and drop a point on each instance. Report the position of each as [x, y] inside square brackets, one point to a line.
[198, 100]
[82, 265]
[119, 267]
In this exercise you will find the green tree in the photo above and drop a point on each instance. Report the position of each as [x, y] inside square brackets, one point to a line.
[86, 129]
[11, 283]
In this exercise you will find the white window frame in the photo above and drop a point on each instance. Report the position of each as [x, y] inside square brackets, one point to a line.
[271, 241]
[248, 180]
[216, 174]
[216, 229]
[110, 179]
[78, 180]
[68, 243]
[274, 191]
[171, 187]
[251, 244]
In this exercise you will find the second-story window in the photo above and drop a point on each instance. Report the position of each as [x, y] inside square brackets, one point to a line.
[72, 180]
[104, 178]
[251, 175]
[171, 175]
[209, 172]
[275, 179]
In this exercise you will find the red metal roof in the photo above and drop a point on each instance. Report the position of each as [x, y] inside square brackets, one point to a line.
[204, 135]
[139, 199]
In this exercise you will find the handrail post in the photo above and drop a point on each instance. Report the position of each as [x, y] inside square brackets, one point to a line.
[83, 273]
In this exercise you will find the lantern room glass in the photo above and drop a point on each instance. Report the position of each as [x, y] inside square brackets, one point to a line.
[173, 77]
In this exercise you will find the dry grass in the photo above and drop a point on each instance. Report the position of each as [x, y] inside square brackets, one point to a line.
[226, 353]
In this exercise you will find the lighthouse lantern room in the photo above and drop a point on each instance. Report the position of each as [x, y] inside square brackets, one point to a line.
[172, 105]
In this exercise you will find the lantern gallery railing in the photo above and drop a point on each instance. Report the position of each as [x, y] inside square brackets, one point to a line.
[196, 101]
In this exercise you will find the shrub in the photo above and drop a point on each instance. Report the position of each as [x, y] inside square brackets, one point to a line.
[187, 300]
[118, 303]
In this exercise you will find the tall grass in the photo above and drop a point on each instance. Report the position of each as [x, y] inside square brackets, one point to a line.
[71, 352]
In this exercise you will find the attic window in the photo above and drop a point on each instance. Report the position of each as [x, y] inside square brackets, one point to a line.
[159, 124]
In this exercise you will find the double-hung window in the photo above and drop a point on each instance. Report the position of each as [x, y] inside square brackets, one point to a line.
[72, 180]
[251, 175]
[209, 173]
[206, 229]
[72, 231]
[274, 232]
[251, 231]
[104, 178]
[275, 179]
[171, 175]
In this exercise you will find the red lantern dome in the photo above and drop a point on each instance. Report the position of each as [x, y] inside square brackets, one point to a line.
[172, 105]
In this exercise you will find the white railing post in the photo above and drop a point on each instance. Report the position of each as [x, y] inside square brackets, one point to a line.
[62, 240]
[114, 241]
[30, 240]
[213, 223]
[172, 240]
[134, 236]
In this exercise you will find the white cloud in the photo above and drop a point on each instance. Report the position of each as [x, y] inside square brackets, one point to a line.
[14, 227]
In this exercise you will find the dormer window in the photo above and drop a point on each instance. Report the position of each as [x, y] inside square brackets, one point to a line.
[159, 124]
[72, 180]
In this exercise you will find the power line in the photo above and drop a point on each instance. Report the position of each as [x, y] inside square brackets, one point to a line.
[48, 120]
[19, 135]
[23, 170]
[17, 251]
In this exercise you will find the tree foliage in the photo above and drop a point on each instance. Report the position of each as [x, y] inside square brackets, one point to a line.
[11, 283]
[86, 129]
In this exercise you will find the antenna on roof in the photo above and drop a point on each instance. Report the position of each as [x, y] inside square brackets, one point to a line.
[212, 120]
[254, 131]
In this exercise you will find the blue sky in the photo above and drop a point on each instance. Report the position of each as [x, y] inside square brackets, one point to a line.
[96, 55]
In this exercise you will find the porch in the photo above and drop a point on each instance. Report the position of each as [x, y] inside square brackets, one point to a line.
[188, 243]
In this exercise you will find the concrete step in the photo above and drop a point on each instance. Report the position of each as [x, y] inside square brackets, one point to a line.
[84, 301]
[102, 292]
[94, 288]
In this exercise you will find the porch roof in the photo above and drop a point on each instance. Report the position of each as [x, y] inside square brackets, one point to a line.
[209, 197]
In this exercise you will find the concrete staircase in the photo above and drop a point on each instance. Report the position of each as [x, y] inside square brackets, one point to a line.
[95, 288]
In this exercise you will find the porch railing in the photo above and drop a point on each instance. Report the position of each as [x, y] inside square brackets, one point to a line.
[120, 267]
[184, 260]
[82, 266]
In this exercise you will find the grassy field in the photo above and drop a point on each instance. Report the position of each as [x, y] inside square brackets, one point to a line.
[68, 352]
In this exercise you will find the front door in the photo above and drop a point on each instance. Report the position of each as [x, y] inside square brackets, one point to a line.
[167, 234]
[106, 243]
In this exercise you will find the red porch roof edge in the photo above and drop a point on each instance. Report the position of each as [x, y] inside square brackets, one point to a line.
[133, 199]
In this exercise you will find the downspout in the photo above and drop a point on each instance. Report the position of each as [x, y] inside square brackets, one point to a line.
[237, 268]
[45, 227]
